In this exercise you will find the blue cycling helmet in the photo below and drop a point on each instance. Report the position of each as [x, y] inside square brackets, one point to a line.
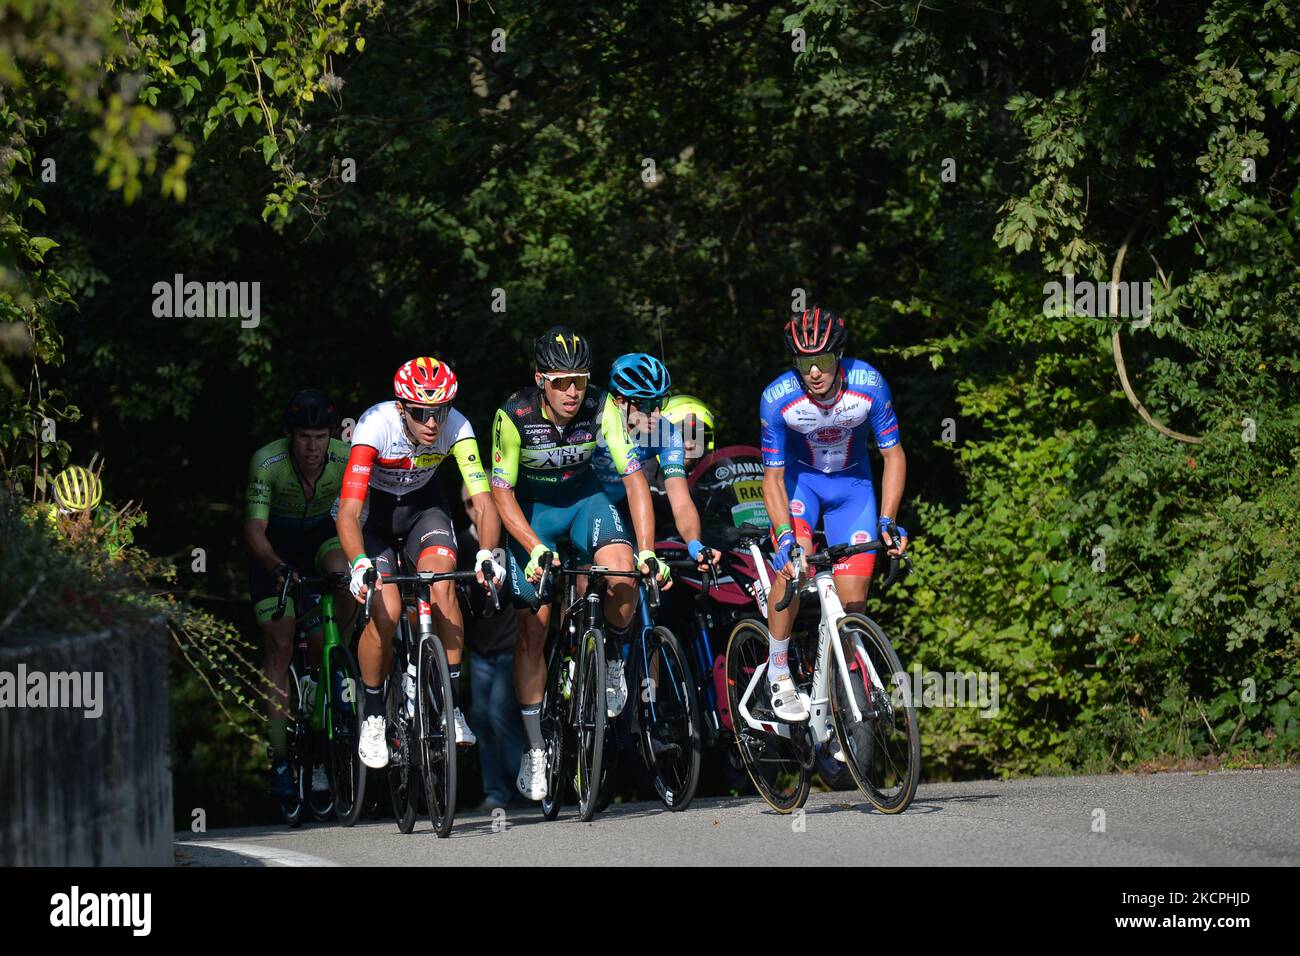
[639, 376]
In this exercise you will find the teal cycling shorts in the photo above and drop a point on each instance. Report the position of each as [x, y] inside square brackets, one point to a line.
[590, 523]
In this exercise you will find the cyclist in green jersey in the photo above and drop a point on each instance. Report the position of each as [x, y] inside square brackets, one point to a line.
[292, 484]
[543, 439]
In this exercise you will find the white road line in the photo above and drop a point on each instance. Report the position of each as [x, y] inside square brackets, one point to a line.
[272, 856]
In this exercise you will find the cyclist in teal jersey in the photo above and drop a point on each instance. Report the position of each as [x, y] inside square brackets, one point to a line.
[543, 439]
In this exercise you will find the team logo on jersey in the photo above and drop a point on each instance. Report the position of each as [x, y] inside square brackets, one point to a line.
[580, 436]
[796, 508]
[829, 435]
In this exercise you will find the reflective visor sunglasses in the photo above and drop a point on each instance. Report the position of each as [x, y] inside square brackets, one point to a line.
[562, 381]
[426, 413]
[646, 406]
[824, 361]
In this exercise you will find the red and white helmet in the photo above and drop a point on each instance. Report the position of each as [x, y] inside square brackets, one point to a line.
[425, 381]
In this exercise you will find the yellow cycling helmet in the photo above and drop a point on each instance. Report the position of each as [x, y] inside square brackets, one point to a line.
[77, 488]
[681, 407]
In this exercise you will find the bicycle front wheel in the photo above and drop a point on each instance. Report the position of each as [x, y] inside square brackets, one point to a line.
[770, 757]
[347, 772]
[883, 748]
[403, 775]
[590, 729]
[437, 735]
[298, 737]
[669, 730]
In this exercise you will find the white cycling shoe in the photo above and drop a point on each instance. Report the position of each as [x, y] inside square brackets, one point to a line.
[532, 775]
[615, 688]
[373, 747]
[464, 736]
[786, 703]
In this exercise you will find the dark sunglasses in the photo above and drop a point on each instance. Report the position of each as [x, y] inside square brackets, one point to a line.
[824, 361]
[646, 406]
[426, 413]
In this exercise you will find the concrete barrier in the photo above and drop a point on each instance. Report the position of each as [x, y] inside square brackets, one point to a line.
[76, 788]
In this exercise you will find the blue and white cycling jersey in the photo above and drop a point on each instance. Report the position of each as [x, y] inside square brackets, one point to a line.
[827, 438]
[664, 442]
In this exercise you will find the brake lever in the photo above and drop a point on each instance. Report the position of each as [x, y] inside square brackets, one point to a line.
[489, 578]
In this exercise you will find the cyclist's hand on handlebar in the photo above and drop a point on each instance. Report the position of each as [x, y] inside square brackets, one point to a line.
[485, 556]
[703, 556]
[782, 559]
[533, 569]
[284, 571]
[664, 573]
[358, 584]
[894, 535]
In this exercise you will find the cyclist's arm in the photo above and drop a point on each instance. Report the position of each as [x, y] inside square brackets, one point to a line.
[641, 505]
[259, 512]
[885, 425]
[505, 473]
[775, 499]
[356, 481]
[259, 546]
[685, 515]
[476, 482]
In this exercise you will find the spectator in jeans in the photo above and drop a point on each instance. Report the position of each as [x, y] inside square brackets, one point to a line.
[495, 713]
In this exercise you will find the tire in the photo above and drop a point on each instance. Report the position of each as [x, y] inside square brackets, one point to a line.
[667, 714]
[292, 809]
[403, 771]
[347, 772]
[773, 762]
[884, 752]
[437, 728]
[589, 752]
[555, 734]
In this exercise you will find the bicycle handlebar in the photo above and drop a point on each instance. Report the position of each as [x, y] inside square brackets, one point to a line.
[332, 581]
[898, 566]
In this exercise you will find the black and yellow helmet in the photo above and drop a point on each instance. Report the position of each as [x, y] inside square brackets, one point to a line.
[77, 489]
[560, 349]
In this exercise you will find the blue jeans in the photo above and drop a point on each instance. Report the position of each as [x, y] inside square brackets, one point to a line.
[497, 723]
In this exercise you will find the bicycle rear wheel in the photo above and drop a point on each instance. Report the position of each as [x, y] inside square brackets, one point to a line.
[403, 774]
[347, 772]
[437, 735]
[590, 751]
[667, 721]
[884, 747]
[774, 763]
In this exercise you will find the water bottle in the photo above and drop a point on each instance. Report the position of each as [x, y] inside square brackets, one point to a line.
[566, 678]
[408, 685]
[307, 692]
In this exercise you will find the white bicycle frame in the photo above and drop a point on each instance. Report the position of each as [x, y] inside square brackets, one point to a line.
[818, 703]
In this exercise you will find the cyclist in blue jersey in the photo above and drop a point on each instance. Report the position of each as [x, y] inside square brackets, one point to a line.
[638, 385]
[817, 423]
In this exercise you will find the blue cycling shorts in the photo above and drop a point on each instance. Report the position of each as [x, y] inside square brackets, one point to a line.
[845, 503]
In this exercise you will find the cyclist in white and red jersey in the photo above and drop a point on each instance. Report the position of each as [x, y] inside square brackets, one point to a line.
[818, 420]
[389, 495]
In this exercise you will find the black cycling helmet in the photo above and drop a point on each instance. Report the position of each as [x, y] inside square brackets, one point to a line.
[310, 409]
[816, 331]
[560, 349]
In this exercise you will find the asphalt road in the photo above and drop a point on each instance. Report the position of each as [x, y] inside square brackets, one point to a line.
[1237, 818]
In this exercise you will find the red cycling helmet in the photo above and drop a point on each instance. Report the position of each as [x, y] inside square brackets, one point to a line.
[425, 381]
[816, 331]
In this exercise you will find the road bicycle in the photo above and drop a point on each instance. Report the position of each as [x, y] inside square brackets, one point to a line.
[420, 715]
[322, 725]
[842, 681]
